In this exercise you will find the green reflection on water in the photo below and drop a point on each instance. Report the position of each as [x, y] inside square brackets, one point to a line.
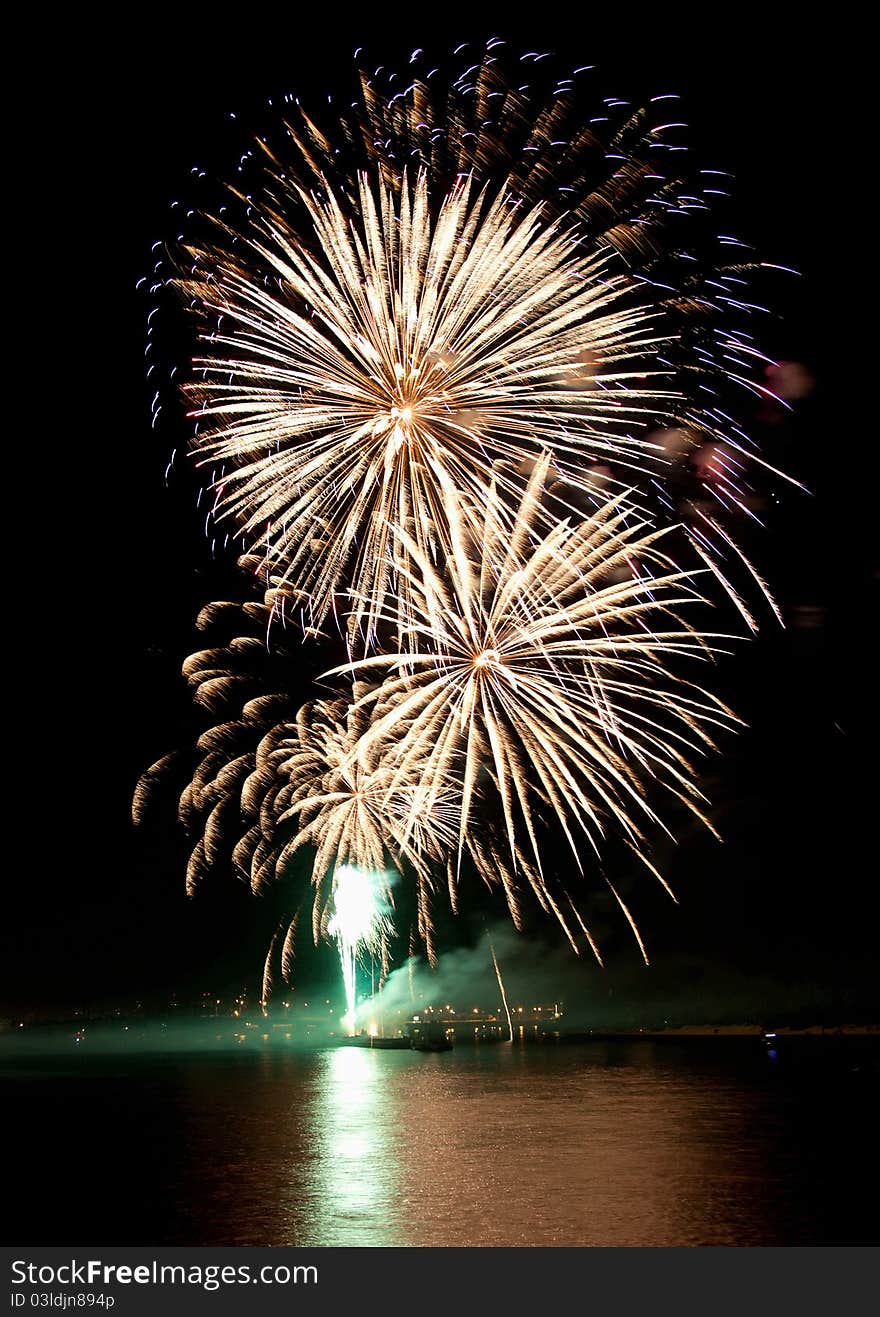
[355, 1169]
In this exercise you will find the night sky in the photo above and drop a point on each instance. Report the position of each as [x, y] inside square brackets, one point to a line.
[112, 565]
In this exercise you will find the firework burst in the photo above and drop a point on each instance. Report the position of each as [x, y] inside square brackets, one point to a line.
[335, 786]
[400, 300]
[273, 783]
[458, 344]
[545, 661]
[457, 350]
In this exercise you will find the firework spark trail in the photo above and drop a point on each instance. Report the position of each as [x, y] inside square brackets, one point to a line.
[501, 989]
[359, 923]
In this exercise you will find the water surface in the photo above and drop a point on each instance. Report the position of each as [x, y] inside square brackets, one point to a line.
[614, 1143]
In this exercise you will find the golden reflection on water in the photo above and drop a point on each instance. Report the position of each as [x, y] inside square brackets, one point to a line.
[592, 1155]
[505, 1146]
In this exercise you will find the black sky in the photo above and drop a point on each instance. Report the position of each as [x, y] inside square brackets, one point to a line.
[111, 565]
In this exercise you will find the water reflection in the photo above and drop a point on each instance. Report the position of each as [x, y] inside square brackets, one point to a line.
[352, 1187]
[605, 1144]
[584, 1151]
